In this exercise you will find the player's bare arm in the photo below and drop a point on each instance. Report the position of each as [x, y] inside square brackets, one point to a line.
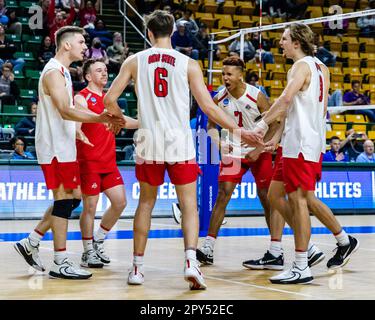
[299, 79]
[127, 72]
[54, 85]
[200, 93]
[81, 104]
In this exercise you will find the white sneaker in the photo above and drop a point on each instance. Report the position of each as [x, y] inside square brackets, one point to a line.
[29, 253]
[177, 214]
[293, 276]
[314, 256]
[66, 270]
[91, 260]
[99, 248]
[136, 276]
[205, 254]
[194, 276]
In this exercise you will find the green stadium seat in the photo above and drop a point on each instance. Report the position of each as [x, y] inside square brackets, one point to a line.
[12, 4]
[19, 78]
[33, 79]
[27, 96]
[33, 44]
[28, 57]
[12, 109]
[16, 39]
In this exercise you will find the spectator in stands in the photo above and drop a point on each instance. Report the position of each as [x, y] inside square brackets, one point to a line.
[295, 8]
[353, 144]
[146, 6]
[322, 53]
[367, 23]
[3, 11]
[354, 97]
[201, 44]
[46, 52]
[335, 99]
[267, 56]
[117, 53]
[56, 19]
[7, 50]
[14, 26]
[96, 51]
[182, 42]
[249, 50]
[9, 90]
[191, 26]
[26, 126]
[334, 154]
[44, 4]
[252, 79]
[100, 31]
[367, 156]
[88, 12]
[65, 4]
[19, 145]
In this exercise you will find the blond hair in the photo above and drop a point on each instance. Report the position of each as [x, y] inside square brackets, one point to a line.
[304, 35]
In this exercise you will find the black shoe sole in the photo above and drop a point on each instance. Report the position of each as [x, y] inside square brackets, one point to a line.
[298, 281]
[346, 260]
[28, 258]
[201, 257]
[93, 266]
[62, 276]
[105, 261]
[263, 267]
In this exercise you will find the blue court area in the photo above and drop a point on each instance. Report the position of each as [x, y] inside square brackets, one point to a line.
[177, 233]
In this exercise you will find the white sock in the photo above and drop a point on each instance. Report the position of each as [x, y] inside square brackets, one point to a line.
[100, 234]
[342, 238]
[138, 260]
[87, 244]
[59, 256]
[190, 254]
[276, 248]
[301, 259]
[34, 238]
[209, 242]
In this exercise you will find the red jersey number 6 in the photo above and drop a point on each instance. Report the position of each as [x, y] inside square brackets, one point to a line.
[160, 84]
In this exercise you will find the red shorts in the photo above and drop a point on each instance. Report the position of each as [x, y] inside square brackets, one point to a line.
[278, 166]
[65, 173]
[261, 170]
[180, 173]
[94, 183]
[299, 173]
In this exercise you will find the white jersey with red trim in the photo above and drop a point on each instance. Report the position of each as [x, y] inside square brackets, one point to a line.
[163, 93]
[54, 136]
[243, 111]
[305, 118]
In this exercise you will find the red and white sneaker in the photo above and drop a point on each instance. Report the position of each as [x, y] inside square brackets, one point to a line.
[136, 276]
[194, 276]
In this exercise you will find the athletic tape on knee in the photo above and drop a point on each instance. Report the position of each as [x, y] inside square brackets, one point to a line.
[63, 208]
[76, 203]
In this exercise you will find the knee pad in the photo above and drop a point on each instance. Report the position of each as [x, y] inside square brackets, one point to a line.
[76, 203]
[63, 208]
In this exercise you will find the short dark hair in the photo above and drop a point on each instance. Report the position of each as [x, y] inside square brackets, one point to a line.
[87, 65]
[160, 23]
[234, 61]
[64, 32]
[14, 140]
[250, 75]
[355, 82]
[335, 138]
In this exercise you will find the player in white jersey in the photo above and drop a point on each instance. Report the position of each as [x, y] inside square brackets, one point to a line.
[56, 149]
[274, 256]
[164, 78]
[244, 104]
[303, 104]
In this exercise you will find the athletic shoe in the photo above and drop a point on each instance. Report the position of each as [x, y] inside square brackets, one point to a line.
[66, 270]
[314, 256]
[193, 275]
[205, 255]
[136, 276]
[293, 276]
[176, 211]
[30, 253]
[268, 261]
[91, 260]
[343, 254]
[177, 215]
[99, 248]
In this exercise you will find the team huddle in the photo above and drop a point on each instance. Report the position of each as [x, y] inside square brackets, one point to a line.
[75, 144]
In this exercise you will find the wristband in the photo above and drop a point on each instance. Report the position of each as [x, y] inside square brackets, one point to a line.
[262, 125]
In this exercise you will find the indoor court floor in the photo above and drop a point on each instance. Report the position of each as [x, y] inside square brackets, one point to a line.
[242, 238]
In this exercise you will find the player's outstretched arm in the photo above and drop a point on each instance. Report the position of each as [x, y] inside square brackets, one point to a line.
[300, 72]
[131, 123]
[54, 86]
[127, 72]
[215, 114]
